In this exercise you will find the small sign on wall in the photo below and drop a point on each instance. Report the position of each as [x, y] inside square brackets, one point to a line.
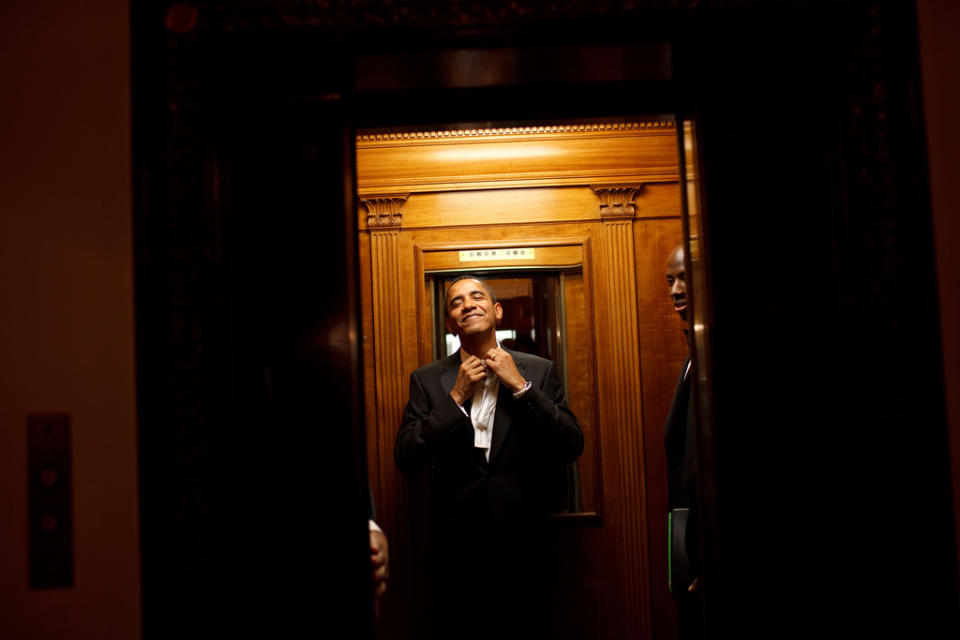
[513, 253]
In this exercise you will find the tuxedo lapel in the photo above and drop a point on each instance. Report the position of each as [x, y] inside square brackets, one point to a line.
[674, 433]
[678, 394]
[502, 417]
[448, 377]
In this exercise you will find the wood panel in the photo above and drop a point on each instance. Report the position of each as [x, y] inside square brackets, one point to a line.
[662, 351]
[383, 274]
[658, 200]
[518, 206]
[388, 365]
[522, 157]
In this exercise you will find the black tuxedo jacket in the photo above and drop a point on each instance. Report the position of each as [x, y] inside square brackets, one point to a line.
[678, 438]
[502, 501]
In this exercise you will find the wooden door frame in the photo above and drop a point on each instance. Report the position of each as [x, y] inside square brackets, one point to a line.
[594, 516]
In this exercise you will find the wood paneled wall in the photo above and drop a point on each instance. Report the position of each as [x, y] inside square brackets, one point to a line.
[603, 196]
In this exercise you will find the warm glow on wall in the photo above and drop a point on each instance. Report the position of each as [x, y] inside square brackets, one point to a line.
[496, 152]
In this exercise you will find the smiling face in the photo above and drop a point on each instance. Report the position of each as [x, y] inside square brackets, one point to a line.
[677, 281]
[471, 310]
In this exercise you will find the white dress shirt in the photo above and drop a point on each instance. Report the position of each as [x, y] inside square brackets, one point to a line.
[483, 407]
[482, 411]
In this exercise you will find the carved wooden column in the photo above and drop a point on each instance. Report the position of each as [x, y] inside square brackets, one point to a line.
[384, 219]
[618, 346]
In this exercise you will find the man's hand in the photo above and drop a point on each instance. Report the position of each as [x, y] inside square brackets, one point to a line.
[471, 371]
[502, 364]
[379, 564]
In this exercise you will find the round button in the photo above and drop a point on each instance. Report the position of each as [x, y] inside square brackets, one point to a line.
[48, 523]
[48, 477]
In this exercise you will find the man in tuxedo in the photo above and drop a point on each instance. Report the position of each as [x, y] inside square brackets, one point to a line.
[679, 438]
[495, 430]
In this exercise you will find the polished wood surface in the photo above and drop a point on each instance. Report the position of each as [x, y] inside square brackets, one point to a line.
[663, 349]
[606, 199]
[621, 415]
[463, 160]
[515, 206]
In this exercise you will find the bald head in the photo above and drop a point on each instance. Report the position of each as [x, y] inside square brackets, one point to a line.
[677, 280]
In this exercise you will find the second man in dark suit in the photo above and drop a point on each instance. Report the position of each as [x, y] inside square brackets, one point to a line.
[680, 441]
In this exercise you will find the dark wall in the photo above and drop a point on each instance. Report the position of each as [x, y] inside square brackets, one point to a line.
[253, 481]
[66, 294]
[939, 52]
[833, 489]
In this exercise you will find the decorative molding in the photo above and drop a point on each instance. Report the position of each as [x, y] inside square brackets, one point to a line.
[384, 136]
[384, 211]
[617, 202]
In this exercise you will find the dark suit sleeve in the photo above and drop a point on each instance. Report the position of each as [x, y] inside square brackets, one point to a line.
[545, 406]
[429, 418]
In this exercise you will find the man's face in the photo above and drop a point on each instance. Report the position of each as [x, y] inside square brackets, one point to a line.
[677, 281]
[470, 310]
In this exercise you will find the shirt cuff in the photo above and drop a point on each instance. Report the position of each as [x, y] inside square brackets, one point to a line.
[526, 387]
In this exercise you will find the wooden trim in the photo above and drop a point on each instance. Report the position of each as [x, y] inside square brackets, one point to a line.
[425, 328]
[503, 208]
[374, 443]
[371, 138]
[550, 256]
[580, 240]
[557, 158]
[590, 279]
[424, 310]
[429, 184]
